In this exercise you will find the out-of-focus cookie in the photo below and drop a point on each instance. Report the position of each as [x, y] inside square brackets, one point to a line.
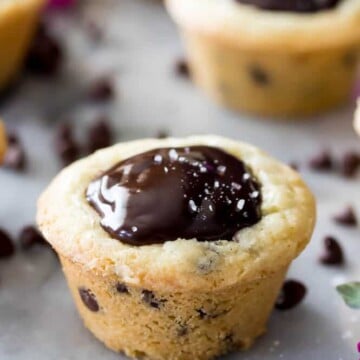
[273, 57]
[3, 141]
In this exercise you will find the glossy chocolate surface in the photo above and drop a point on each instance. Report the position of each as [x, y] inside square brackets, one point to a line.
[292, 5]
[164, 194]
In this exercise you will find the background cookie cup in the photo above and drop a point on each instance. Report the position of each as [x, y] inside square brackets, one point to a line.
[271, 62]
[18, 21]
[183, 299]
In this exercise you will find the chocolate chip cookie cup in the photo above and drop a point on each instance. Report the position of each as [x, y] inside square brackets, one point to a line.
[275, 57]
[18, 21]
[176, 249]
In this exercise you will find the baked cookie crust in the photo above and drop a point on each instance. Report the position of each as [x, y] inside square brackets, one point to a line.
[72, 226]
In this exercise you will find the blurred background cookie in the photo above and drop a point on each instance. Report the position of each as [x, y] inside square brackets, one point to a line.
[18, 21]
[2, 141]
[272, 58]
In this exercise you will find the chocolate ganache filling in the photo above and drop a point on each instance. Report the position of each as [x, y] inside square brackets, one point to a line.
[164, 194]
[292, 5]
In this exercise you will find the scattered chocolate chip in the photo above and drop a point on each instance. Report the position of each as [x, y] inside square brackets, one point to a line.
[94, 31]
[333, 254]
[294, 165]
[162, 134]
[121, 288]
[45, 54]
[149, 298]
[258, 75]
[292, 293]
[7, 248]
[182, 68]
[350, 164]
[101, 90]
[322, 161]
[30, 236]
[99, 135]
[346, 217]
[89, 300]
[65, 144]
[15, 157]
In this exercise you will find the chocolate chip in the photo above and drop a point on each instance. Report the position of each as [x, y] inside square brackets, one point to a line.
[15, 157]
[182, 330]
[89, 299]
[322, 161]
[101, 90]
[94, 31]
[292, 293]
[182, 68]
[99, 135]
[149, 298]
[294, 165]
[30, 236]
[45, 54]
[350, 164]
[333, 254]
[65, 145]
[7, 248]
[121, 288]
[258, 75]
[162, 134]
[346, 217]
[203, 314]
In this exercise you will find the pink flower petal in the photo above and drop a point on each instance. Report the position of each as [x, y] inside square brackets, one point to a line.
[61, 3]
